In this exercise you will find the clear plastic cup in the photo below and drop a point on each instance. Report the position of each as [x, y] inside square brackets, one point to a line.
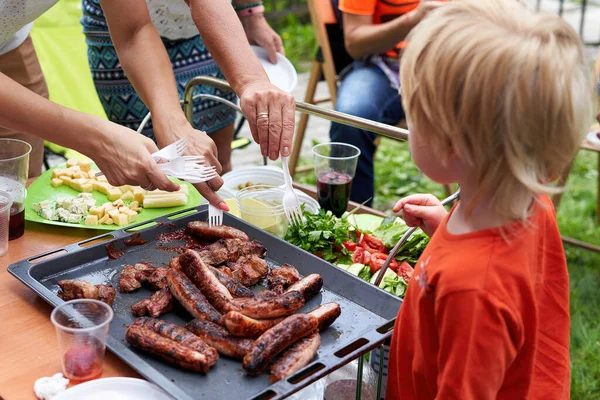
[14, 171]
[82, 328]
[262, 206]
[5, 204]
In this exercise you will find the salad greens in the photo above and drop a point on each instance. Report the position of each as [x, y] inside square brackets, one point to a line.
[391, 283]
[391, 232]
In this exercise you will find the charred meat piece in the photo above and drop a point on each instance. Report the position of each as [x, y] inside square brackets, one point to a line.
[73, 289]
[218, 337]
[181, 335]
[190, 297]
[217, 294]
[157, 278]
[308, 286]
[249, 270]
[158, 304]
[202, 230]
[275, 307]
[132, 277]
[326, 314]
[236, 289]
[278, 338]
[279, 279]
[296, 357]
[241, 325]
[166, 349]
[174, 263]
[230, 250]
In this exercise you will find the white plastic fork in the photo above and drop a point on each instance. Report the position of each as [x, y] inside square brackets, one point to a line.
[215, 216]
[172, 151]
[291, 204]
[191, 172]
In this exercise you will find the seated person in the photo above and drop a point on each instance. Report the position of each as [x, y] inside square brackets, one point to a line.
[372, 30]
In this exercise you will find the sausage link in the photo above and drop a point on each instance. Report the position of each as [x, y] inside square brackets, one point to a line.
[217, 337]
[296, 357]
[241, 325]
[202, 230]
[326, 314]
[271, 307]
[236, 289]
[190, 297]
[308, 286]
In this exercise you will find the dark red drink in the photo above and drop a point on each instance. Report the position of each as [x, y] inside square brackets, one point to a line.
[83, 363]
[16, 226]
[333, 190]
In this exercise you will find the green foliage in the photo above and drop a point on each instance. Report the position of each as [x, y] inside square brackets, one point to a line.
[299, 42]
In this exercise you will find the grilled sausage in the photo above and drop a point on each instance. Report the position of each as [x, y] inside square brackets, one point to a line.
[174, 263]
[236, 289]
[240, 325]
[308, 286]
[202, 230]
[296, 357]
[275, 307]
[179, 334]
[166, 349]
[276, 339]
[217, 337]
[218, 295]
[190, 297]
[326, 314]
[161, 302]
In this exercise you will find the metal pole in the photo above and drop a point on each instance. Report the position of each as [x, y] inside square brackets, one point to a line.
[335, 116]
[561, 7]
[582, 21]
[359, 376]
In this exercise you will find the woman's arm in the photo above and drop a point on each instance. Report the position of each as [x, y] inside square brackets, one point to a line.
[270, 111]
[363, 38]
[121, 154]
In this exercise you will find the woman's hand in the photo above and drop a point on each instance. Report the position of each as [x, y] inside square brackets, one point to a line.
[198, 144]
[259, 32]
[270, 114]
[422, 210]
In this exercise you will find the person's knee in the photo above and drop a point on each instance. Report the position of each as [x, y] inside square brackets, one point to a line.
[358, 106]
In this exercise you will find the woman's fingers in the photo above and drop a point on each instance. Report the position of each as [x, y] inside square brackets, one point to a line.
[158, 179]
[287, 125]
[210, 195]
[275, 127]
[262, 122]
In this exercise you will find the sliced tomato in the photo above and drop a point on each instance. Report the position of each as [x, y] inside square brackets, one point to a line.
[405, 271]
[372, 244]
[361, 256]
[377, 260]
[350, 245]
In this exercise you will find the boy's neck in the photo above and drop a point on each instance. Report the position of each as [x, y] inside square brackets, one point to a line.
[483, 216]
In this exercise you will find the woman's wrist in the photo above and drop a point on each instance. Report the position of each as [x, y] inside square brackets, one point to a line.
[167, 126]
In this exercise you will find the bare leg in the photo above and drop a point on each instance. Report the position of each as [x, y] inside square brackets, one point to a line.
[223, 139]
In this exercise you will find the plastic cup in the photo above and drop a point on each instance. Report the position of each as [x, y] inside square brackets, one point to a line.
[335, 166]
[14, 171]
[5, 204]
[262, 206]
[82, 329]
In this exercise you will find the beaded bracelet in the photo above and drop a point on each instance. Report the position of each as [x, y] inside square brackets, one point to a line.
[244, 6]
[251, 11]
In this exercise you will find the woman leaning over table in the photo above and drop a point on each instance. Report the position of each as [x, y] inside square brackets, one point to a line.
[124, 157]
[189, 57]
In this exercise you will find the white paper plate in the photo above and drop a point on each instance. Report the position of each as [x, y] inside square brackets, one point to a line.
[593, 138]
[267, 175]
[283, 74]
[114, 389]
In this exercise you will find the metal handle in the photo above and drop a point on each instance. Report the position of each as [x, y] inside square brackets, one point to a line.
[403, 240]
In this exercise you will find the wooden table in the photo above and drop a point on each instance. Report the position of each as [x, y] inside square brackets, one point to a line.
[28, 346]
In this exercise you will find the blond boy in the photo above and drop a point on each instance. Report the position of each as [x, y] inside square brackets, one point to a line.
[498, 101]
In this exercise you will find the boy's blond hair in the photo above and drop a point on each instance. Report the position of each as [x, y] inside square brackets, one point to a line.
[505, 89]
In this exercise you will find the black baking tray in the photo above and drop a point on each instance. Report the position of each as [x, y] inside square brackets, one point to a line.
[366, 321]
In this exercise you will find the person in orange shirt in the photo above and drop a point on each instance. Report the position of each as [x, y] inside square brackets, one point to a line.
[374, 31]
[486, 314]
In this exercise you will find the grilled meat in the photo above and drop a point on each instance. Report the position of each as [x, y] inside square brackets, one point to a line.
[236, 289]
[181, 335]
[249, 270]
[308, 286]
[296, 357]
[174, 263]
[326, 314]
[218, 337]
[218, 295]
[73, 289]
[279, 279]
[274, 307]
[190, 296]
[275, 340]
[240, 325]
[230, 250]
[159, 303]
[132, 277]
[166, 349]
[157, 278]
[202, 230]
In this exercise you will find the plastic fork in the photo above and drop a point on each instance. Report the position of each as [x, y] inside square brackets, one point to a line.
[172, 151]
[215, 216]
[291, 204]
[189, 171]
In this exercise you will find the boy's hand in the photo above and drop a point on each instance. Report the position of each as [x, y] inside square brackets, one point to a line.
[422, 210]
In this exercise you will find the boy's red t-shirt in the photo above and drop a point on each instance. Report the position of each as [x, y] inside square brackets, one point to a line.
[484, 318]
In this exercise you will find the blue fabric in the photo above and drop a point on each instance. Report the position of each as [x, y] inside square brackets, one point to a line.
[365, 92]
[189, 58]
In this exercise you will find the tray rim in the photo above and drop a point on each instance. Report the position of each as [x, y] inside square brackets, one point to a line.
[279, 390]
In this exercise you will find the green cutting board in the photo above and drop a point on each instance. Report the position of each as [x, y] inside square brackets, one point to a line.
[41, 190]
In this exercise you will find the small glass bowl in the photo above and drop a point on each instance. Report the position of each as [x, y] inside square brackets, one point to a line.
[262, 206]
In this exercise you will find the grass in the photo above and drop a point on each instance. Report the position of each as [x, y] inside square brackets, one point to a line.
[396, 176]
